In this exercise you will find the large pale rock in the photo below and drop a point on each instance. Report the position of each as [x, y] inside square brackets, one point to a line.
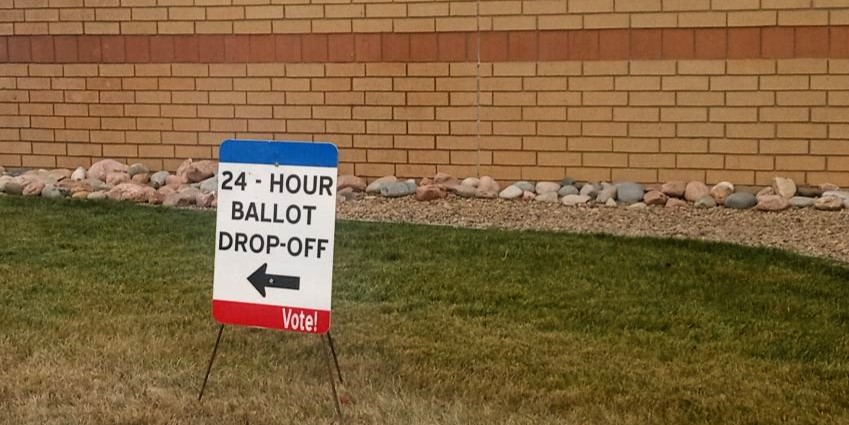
[695, 190]
[209, 185]
[572, 200]
[674, 189]
[829, 203]
[511, 192]
[784, 187]
[78, 174]
[547, 197]
[175, 181]
[14, 187]
[143, 178]
[95, 184]
[568, 190]
[629, 192]
[546, 187]
[471, 181]
[430, 192]
[524, 185]
[772, 203]
[52, 192]
[767, 191]
[608, 192]
[464, 191]
[33, 189]
[197, 171]
[445, 179]
[589, 189]
[137, 168]
[741, 201]
[487, 188]
[101, 168]
[374, 187]
[721, 191]
[60, 174]
[828, 187]
[352, 181]
[205, 200]
[130, 192]
[655, 197]
[3, 181]
[97, 196]
[398, 189]
[842, 194]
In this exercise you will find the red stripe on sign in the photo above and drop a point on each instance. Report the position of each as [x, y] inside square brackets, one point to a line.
[284, 318]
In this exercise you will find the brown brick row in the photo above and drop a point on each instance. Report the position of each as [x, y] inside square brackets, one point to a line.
[495, 46]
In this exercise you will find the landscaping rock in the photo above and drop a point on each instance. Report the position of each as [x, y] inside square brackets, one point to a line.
[567, 181]
[197, 171]
[14, 188]
[471, 181]
[352, 181]
[430, 192]
[130, 192]
[97, 196]
[528, 195]
[52, 192]
[465, 191]
[137, 168]
[524, 185]
[159, 179]
[550, 197]
[179, 200]
[611, 203]
[511, 192]
[772, 203]
[705, 202]
[547, 187]
[721, 191]
[3, 181]
[608, 192]
[33, 189]
[175, 181]
[676, 203]
[828, 187]
[655, 197]
[79, 174]
[828, 203]
[801, 201]
[741, 201]
[116, 178]
[374, 187]
[695, 190]
[143, 178]
[95, 184]
[841, 194]
[568, 190]
[59, 174]
[589, 189]
[101, 168]
[784, 187]
[445, 179]
[83, 194]
[347, 195]
[637, 206]
[572, 200]
[209, 185]
[767, 191]
[630, 193]
[674, 189]
[487, 188]
[809, 191]
[206, 200]
[398, 189]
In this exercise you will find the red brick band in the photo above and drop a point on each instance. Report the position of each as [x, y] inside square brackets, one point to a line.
[496, 46]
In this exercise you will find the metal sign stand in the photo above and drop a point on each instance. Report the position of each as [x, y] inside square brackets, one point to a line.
[332, 360]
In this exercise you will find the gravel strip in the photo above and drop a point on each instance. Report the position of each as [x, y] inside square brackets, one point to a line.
[824, 234]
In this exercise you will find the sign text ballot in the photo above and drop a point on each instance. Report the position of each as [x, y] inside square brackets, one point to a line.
[274, 234]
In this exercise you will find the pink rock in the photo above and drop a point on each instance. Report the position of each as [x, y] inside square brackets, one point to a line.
[829, 187]
[767, 191]
[116, 178]
[430, 192]
[828, 203]
[179, 199]
[155, 197]
[174, 181]
[655, 197]
[197, 171]
[674, 188]
[143, 178]
[772, 203]
[60, 174]
[33, 189]
[695, 190]
[487, 188]
[352, 181]
[425, 181]
[528, 195]
[130, 192]
[721, 191]
[445, 179]
[100, 169]
[167, 190]
[205, 200]
[676, 203]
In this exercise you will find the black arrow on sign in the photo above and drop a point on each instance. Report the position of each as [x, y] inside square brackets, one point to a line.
[261, 280]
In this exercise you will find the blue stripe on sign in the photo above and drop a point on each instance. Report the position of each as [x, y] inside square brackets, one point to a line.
[308, 154]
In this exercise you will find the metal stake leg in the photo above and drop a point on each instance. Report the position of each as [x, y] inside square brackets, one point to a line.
[333, 388]
[335, 359]
[211, 360]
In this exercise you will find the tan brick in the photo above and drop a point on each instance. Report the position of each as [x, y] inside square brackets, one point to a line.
[633, 144]
[750, 98]
[651, 130]
[802, 131]
[653, 160]
[636, 114]
[622, 99]
[753, 130]
[688, 83]
[605, 159]
[684, 114]
[700, 130]
[800, 98]
[654, 20]
[783, 146]
[784, 114]
[733, 83]
[734, 146]
[752, 18]
[703, 161]
[635, 99]
[733, 114]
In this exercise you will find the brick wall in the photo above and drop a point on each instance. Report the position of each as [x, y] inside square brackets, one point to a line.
[638, 90]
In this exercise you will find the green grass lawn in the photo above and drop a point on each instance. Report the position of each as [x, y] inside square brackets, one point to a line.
[105, 319]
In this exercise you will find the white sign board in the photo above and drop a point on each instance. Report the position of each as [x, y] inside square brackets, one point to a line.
[274, 234]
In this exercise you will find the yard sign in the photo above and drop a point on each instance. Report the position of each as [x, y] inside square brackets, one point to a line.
[274, 235]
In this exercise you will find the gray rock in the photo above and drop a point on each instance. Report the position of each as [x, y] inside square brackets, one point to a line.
[14, 188]
[545, 187]
[809, 192]
[97, 196]
[607, 193]
[572, 200]
[630, 193]
[78, 175]
[841, 194]
[547, 197]
[568, 190]
[567, 181]
[209, 185]
[705, 202]
[590, 190]
[398, 189]
[137, 168]
[741, 201]
[374, 187]
[158, 179]
[465, 191]
[511, 192]
[801, 202]
[348, 195]
[52, 192]
[525, 186]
